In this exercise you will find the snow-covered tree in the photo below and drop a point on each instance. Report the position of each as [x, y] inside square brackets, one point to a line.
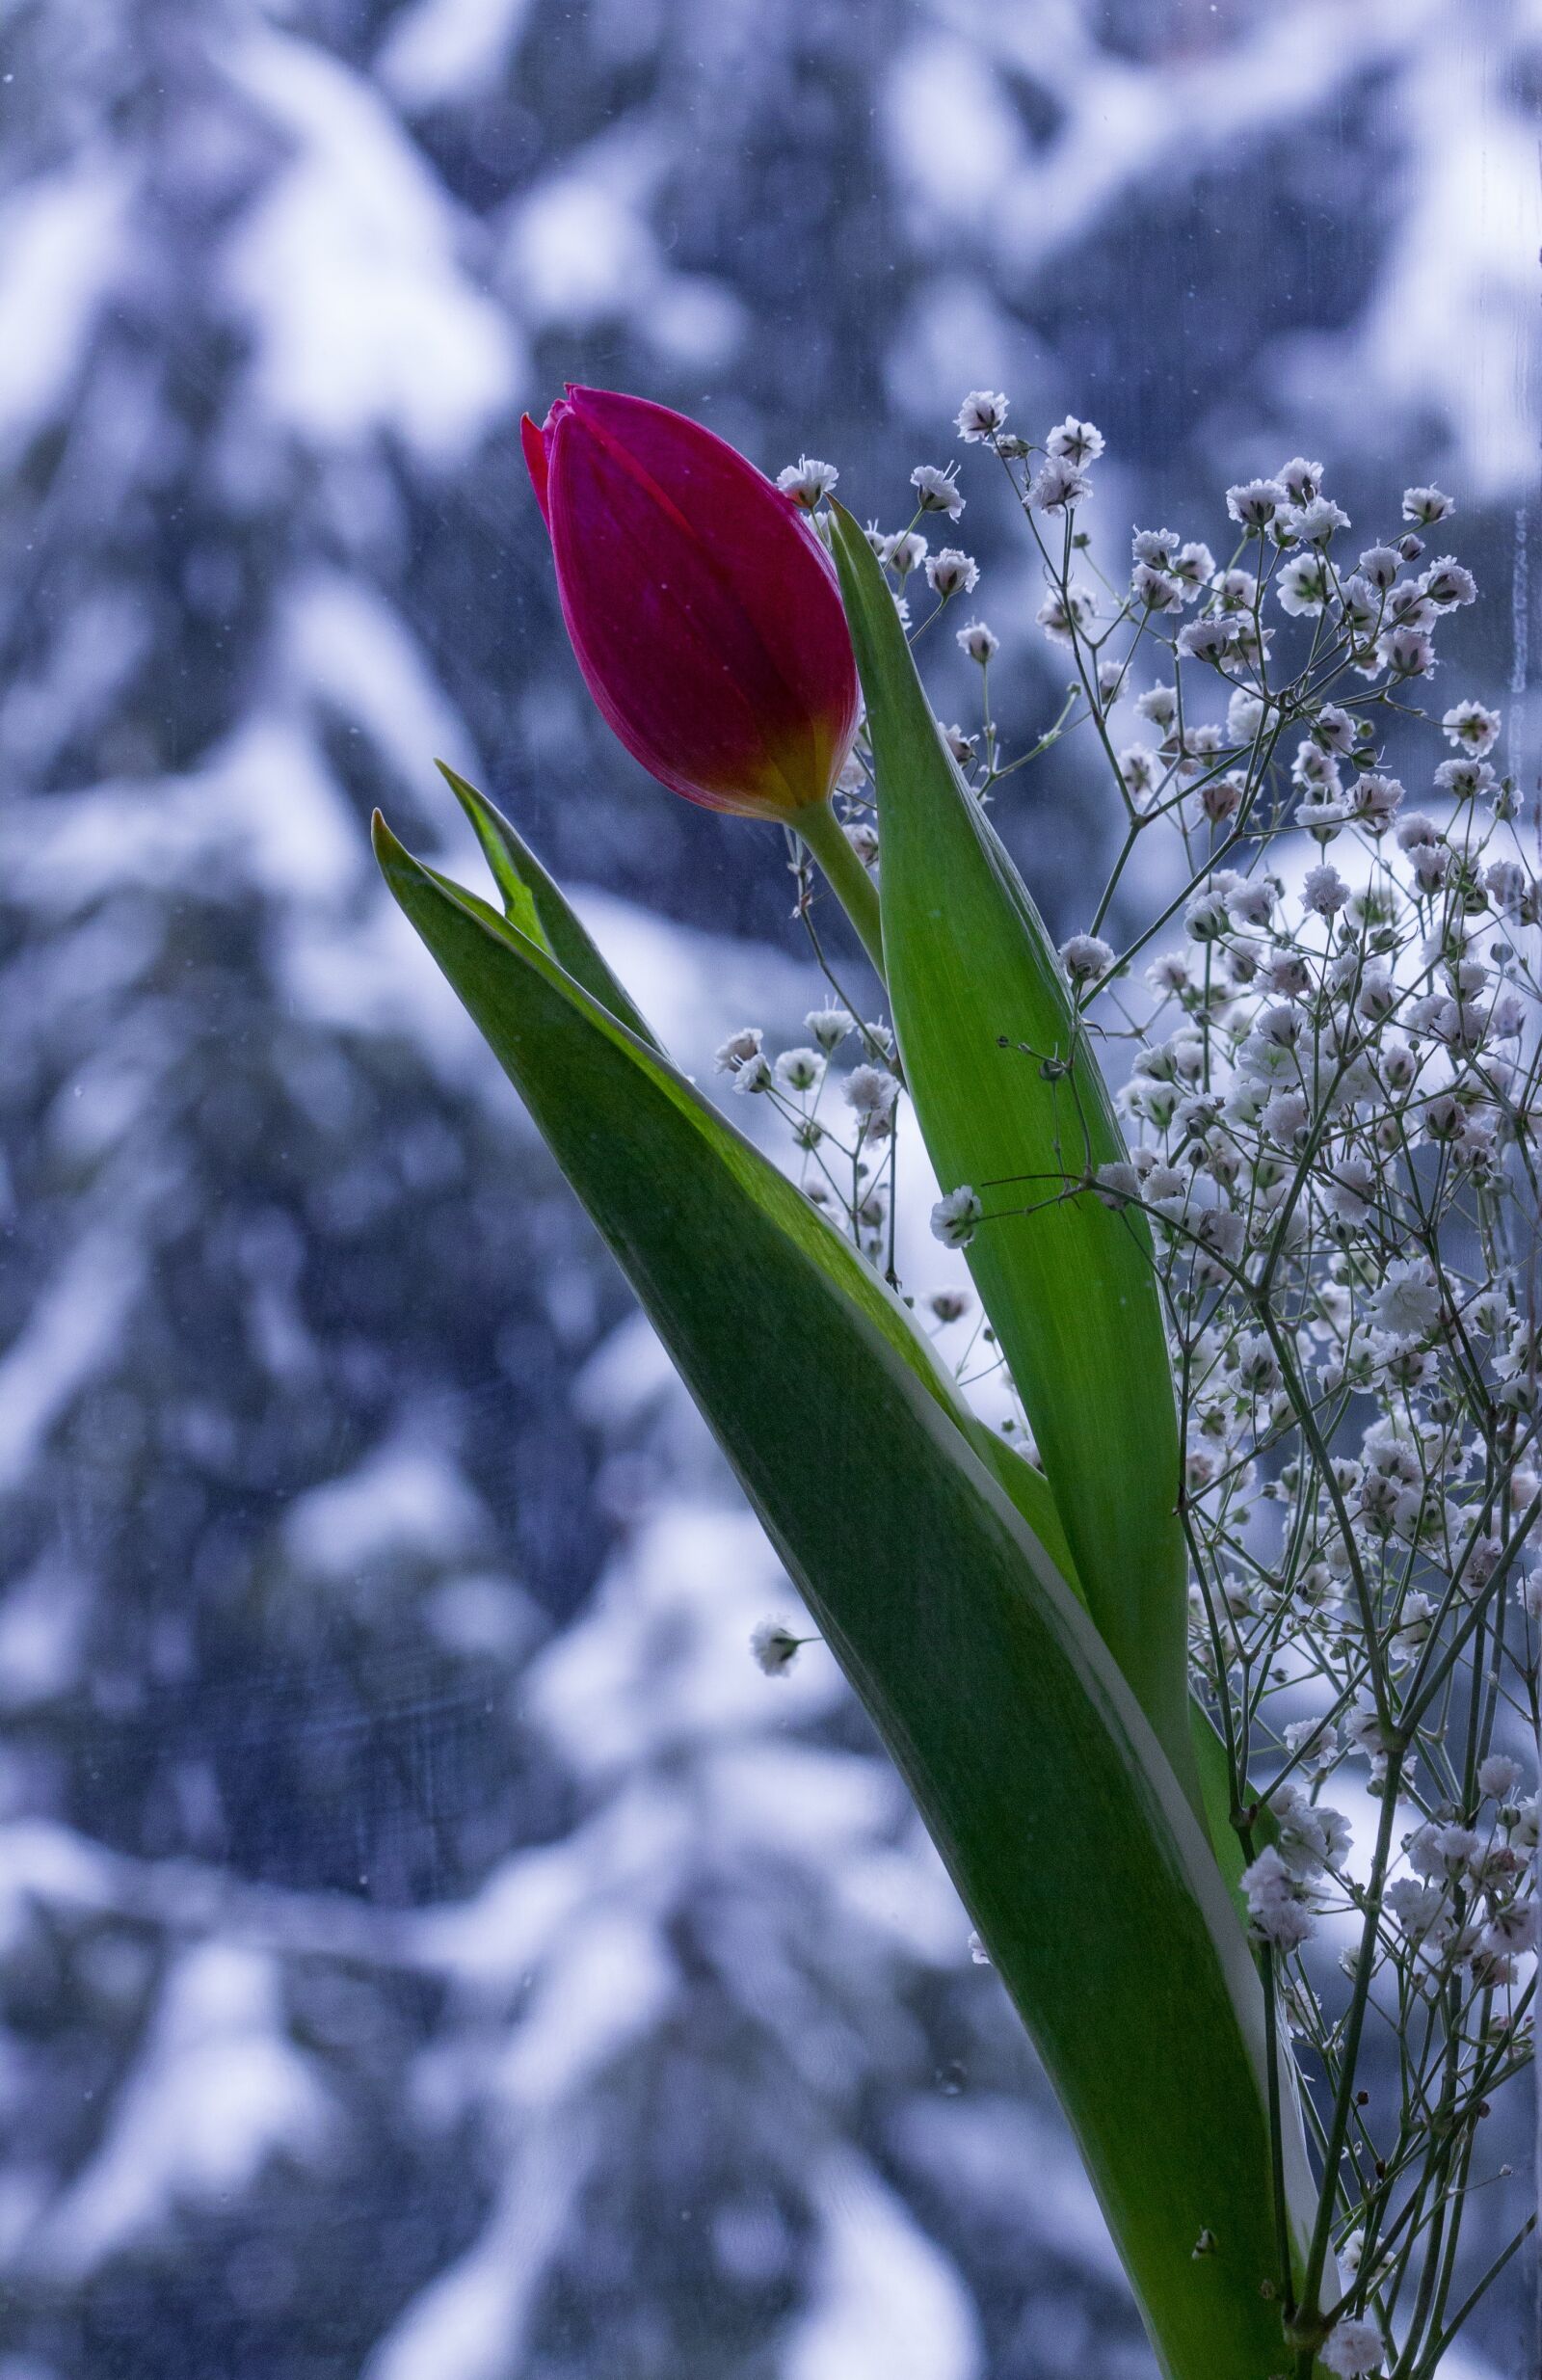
[426, 1943]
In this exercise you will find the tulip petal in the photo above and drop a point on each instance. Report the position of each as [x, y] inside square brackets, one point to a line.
[703, 610]
[534, 443]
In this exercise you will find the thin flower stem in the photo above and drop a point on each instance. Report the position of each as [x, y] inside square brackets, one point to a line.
[848, 879]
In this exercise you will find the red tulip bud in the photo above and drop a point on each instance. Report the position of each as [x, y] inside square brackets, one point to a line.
[704, 612]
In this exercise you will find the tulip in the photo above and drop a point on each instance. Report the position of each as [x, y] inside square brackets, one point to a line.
[706, 616]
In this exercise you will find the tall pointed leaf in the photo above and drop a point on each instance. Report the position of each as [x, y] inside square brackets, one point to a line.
[536, 905]
[1011, 1101]
[1042, 1785]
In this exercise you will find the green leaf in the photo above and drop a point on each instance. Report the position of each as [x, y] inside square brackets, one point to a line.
[534, 903]
[1067, 1283]
[1041, 1781]
[523, 880]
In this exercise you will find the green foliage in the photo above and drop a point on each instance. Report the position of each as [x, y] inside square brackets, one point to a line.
[1010, 1100]
[1044, 1787]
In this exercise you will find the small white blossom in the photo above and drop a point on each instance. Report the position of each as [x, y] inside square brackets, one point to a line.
[1407, 651]
[1056, 484]
[1407, 1304]
[978, 641]
[751, 1076]
[904, 552]
[807, 481]
[1254, 502]
[1446, 584]
[774, 1646]
[1473, 728]
[1465, 780]
[1315, 523]
[1374, 800]
[738, 1049]
[981, 415]
[1379, 565]
[954, 1219]
[1302, 480]
[870, 1093]
[829, 1027]
[1158, 546]
[1066, 614]
[1304, 585]
[799, 1070]
[1277, 1902]
[1426, 505]
[937, 490]
[1155, 590]
[951, 573]
[1085, 959]
[1158, 703]
[1074, 441]
[1352, 2348]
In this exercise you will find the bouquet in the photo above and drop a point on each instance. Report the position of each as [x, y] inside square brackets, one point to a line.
[1244, 1176]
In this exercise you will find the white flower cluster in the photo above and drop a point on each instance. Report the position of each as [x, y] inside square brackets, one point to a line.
[1334, 1105]
[1333, 1088]
[842, 1120]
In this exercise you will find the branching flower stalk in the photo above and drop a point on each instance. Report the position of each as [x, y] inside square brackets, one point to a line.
[1329, 1040]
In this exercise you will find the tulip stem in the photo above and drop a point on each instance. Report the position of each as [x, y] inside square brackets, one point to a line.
[848, 879]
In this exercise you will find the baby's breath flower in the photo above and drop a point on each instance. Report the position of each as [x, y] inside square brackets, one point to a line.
[903, 552]
[1473, 728]
[870, 1093]
[1254, 502]
[1379, 566]
[1066, 613]
[1304, 585]
[1352, 2348]
[952, 573]
[1302, 480]
[1074, 441]
[738, 1049]
[1314, 523]
[983, 414]
[1158, 546]
[774, 1646]
[1277, 1902]
[1374, 800]
[829, 1027]
[938, 491]
[808, 482]
[1407, 651]
[1426, 505]
[955, 1218]
[1446, 584]
[799, 1070]
[1058, 484]
[1085, 959]
[1324, 891]
[1159, 705]
[1153, 590]
[978, 641]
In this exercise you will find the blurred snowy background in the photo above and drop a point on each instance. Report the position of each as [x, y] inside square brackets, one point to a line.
[428, 1948]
